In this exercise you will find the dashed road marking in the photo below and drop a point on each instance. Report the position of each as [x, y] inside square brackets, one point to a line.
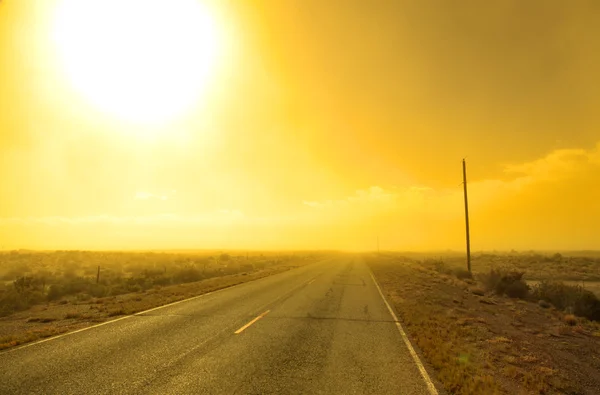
[243, 328]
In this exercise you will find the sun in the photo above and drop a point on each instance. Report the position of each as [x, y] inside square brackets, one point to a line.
[144, 61]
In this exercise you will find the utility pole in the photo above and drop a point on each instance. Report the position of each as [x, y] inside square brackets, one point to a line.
[378, 251]
[464, 167]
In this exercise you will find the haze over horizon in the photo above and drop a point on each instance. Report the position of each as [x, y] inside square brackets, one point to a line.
[299, 125]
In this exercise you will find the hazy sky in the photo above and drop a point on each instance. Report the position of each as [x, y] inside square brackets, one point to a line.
[320, 125]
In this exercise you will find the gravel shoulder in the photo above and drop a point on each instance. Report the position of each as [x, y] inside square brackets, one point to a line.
[479, 343]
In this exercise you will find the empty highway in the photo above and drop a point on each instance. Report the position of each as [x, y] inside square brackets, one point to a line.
[319, 329]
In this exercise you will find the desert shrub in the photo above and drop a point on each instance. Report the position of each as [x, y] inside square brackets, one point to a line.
[463, 274]
[506, 282]
[117, 289]
[161, 280]
[28, 283]
[12, 300]
[116, 312]
[55, 292]
[587, 305]
[517, 289]
[136, 284]
[187, 275]
[134, 288]
[230, 269]
[75, 285]
[438, 265]
[246, 267]
[82, 297]
[570, 320]
[569, 297]
[544, 304]
[98, 290]
[153, 273]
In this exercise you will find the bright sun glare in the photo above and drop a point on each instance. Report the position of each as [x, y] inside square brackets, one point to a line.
[145, 61]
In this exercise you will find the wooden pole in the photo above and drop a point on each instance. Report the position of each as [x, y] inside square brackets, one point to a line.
[98, 275]
[464, 167]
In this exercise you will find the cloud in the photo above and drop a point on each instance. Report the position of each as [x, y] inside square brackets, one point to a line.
[557, 164]
[548, 202]
[376, 198]
[373, 194]
[208, 218]
[539, 204]
[141, 195]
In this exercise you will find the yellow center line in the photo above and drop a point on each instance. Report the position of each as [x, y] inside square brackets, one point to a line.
[243, 328]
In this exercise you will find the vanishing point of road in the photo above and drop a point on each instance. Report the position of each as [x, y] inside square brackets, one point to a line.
[323, 328]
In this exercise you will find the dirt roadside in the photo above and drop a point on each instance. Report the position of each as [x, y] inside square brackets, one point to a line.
[487, 344]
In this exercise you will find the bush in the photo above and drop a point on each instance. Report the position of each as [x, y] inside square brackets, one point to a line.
[463, 274]
[161, 280]
[75, 285]
[543, 304]
[517, 289]
[12, 300]
[438, 265]
[572, 297]
[587, 305]
[246, 267]
[98, 290]
[55, 292]
[506, 282]
[570, 320]
[187, 275]
[26, 283]
[82, 297]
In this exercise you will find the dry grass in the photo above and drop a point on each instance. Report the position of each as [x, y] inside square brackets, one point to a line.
[17, 339]
[30, 278]
[488, 344]
[26, 326]
[536, 266]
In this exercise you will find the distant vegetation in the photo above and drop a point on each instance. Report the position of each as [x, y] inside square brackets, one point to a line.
[508, 275]
[535, 266]
[30, 278]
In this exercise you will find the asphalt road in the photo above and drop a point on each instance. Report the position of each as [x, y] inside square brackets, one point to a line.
[320, 329]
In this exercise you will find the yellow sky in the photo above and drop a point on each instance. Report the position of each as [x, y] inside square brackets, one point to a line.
[319, 124]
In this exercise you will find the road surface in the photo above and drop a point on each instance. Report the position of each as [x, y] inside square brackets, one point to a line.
[320, 329]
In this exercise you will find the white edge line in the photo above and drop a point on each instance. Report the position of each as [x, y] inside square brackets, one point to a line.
[118, 319]
[413, 353]
[125, 317]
